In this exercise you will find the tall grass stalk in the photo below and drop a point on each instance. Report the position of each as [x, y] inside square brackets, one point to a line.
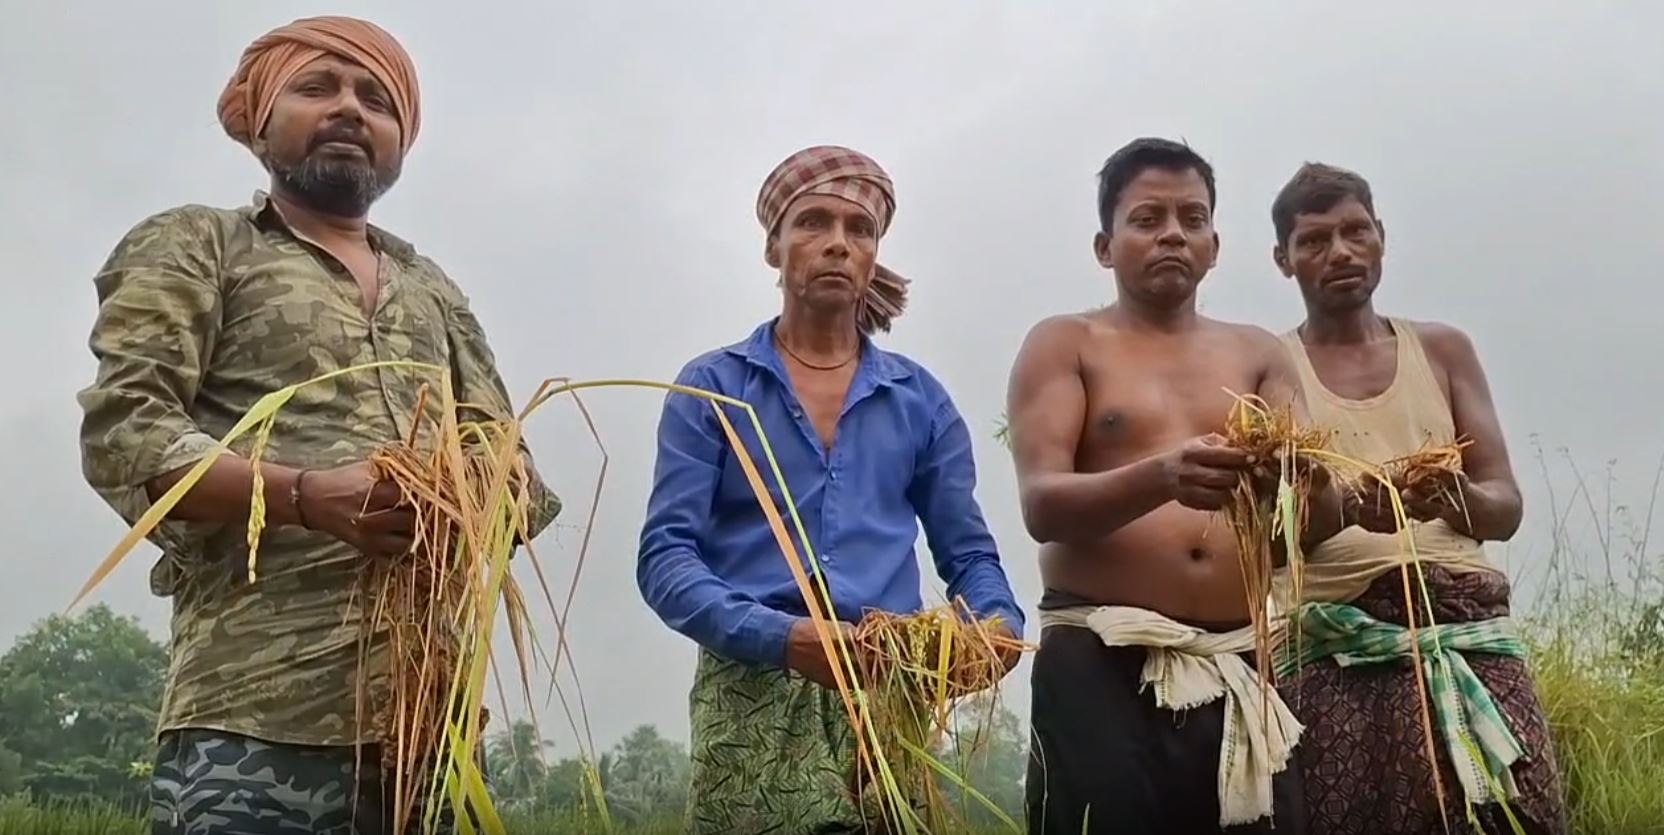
[1596, 629]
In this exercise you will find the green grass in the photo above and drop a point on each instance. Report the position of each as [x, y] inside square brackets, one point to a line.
[1608, 725]
[1596, 629]
[19, 817]
[1598, 657]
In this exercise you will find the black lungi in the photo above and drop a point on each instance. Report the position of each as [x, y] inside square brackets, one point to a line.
[1104, 758]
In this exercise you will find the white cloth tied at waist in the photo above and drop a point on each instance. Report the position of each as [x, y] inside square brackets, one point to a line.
[1189, 667]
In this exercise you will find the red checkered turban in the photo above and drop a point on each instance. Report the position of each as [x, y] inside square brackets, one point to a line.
[853, 176]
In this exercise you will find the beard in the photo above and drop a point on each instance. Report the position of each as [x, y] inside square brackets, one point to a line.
[340, 187]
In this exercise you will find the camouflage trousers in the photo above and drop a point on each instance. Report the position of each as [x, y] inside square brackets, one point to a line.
[208, 781]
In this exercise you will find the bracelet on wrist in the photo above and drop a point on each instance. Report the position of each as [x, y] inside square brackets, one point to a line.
[295, 499]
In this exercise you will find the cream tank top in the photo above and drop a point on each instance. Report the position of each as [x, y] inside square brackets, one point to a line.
[1410, 414]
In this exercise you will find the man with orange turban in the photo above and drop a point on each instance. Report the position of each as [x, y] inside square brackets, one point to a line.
[203, 311]
[873, 448]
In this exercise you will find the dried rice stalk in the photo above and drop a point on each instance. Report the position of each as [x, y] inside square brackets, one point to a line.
[1430, 471]
[437, 607]
[417, 604]
[914, 670]
[468, 487]
[1270, 435]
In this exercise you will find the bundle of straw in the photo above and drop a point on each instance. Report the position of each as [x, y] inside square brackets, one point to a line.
[1257, 519]
[468, 488]
[938, 656]
[1430, 472]
[914, 670]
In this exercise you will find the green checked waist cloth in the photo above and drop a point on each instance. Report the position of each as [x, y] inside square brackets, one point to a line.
[1475, 734]
[1351, 676]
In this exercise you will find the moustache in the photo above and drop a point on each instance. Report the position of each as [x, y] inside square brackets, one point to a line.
[343, 135]
[1345, 273]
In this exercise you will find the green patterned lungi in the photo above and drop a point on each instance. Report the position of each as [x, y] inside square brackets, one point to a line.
[771, 752]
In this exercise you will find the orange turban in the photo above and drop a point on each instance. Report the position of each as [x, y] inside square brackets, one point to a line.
[269, 63]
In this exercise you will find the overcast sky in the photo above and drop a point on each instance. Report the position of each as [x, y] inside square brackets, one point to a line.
[587, 174]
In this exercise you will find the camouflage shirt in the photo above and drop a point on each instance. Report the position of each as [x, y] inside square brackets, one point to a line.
[203, 311]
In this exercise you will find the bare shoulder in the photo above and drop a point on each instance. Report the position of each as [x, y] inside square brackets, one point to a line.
[1444, 343]
[1049, 361]
[1069, 328]
[1056, 338]
[1253, 340]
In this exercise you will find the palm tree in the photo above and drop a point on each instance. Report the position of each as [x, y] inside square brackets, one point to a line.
[646, 775]
[517, 766]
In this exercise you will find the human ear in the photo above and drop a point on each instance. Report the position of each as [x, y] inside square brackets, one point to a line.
[1100, 248]
[771, 251]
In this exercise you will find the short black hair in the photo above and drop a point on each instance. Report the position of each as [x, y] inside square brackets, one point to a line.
[1140, 154]
[1317, 187]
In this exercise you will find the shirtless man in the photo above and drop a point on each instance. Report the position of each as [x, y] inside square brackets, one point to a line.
[1115, 416]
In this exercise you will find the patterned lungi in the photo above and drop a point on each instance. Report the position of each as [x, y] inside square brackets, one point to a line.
[770, 751]
[1364, 752]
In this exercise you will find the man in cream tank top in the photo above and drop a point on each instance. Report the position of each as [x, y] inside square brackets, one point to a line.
[1388, 387]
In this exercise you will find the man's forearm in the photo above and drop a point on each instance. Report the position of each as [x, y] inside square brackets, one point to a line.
[747, 632]
[981, 583]
[1072, 507]
[1487, 512]
[1325, 517]
[692, 600]
[224, 493]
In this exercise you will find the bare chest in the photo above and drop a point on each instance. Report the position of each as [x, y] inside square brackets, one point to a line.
[822, 395]
[1148, 402]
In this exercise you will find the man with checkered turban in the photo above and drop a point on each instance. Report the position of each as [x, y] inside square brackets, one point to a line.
[870, 444]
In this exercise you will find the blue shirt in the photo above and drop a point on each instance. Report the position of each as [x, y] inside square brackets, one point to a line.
[709, 564]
